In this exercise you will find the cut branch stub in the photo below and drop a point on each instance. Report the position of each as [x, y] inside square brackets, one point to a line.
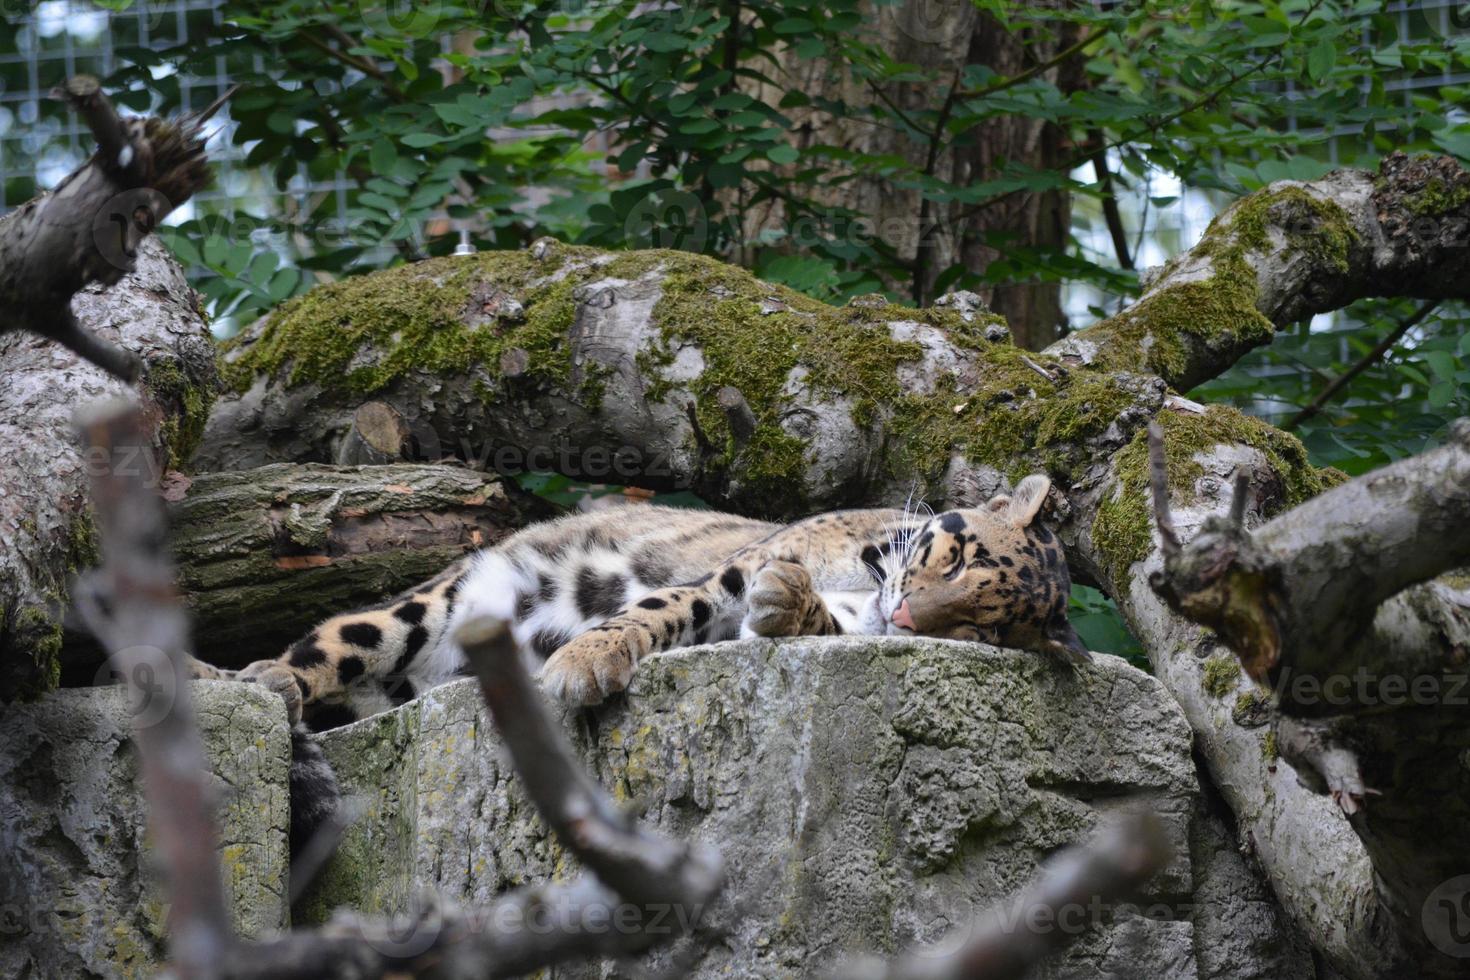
[89, 228]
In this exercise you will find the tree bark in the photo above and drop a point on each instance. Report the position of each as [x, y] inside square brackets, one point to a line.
[265, 554]
[46, 520]
[871, 403]
[942, 38]
[1368, 675]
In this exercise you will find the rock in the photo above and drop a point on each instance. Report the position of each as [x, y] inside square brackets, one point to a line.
[78, 894]
[866, 794]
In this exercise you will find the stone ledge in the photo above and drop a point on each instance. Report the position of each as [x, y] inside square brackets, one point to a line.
[78, 894]
[866, 793]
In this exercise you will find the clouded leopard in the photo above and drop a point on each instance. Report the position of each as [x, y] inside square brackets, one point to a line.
[590, 596]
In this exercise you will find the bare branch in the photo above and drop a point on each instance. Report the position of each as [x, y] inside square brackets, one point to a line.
[134, 611]
[1008, 945]
[1158, 474]
[89, 228]
[642, 867]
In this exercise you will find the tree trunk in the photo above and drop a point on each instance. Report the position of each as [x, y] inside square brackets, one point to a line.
[265, 554]
[942, 38]
[636, 356]
[48, 533]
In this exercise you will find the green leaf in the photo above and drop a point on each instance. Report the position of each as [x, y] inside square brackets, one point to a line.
[783, 153]
[1321, 59]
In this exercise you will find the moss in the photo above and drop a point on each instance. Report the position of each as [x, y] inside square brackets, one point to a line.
[1438, 197]
[1123, 528]
[1221, 675]
[1157, 332]
[187, 404]
[1268, 748]
[361, 334]
[39, 635]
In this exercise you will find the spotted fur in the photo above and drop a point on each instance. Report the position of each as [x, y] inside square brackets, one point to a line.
[590, 596]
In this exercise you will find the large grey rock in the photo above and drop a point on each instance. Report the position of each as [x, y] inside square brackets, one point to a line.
[867, 794]
[78, 892]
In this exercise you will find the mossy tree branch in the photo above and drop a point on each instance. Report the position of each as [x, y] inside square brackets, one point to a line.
[1287, 253]
[1369, 679]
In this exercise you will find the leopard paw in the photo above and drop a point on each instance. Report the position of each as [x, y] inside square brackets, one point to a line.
[593, 666]
[781, 601]
[274, 676]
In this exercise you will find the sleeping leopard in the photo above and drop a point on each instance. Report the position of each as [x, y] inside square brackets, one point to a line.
[590, 596]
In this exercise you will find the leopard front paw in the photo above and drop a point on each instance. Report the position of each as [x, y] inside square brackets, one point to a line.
[781, 601]
[594, 666]
[276, 677]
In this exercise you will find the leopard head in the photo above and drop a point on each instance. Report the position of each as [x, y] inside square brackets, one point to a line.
[993, 573]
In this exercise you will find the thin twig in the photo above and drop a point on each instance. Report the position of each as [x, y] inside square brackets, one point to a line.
[1158, 475]
[1002, 947]
[131, 606]
[1366, 361]
[1240, 496]
[644, 868]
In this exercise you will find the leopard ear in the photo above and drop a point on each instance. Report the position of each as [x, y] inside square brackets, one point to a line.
[1029, 496]
[997, 503]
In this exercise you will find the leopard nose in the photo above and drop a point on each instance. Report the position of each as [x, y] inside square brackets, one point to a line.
[902, 617]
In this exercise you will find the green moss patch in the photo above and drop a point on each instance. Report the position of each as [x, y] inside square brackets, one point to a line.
[1122, 530]
[414, 317]
[188, 403]
[1221, 675]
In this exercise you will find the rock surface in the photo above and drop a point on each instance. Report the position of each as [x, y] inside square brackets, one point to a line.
[78, 895]
[866, 794]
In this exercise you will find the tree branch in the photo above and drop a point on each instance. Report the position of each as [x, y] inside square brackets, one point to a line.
[88, 229]
[1285, 254]
[1340, 382]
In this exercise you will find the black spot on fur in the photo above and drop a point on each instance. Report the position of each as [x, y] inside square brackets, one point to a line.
[652, 602]
[701, 635]
[525, 602]
[417, 637]
[546, 642]
[651, 568]
[400, 689]
[546, 589]
[1025, 574]
[306, 654]
[733, 582]
[322, 717]
[699, 611]
[872, 557]
[304, 688]
[349, 670]
[361, 635]
[453, 589]
[1007, 561]
[411, 613]
[599, 595]
[1042, 534]
[951, 522]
